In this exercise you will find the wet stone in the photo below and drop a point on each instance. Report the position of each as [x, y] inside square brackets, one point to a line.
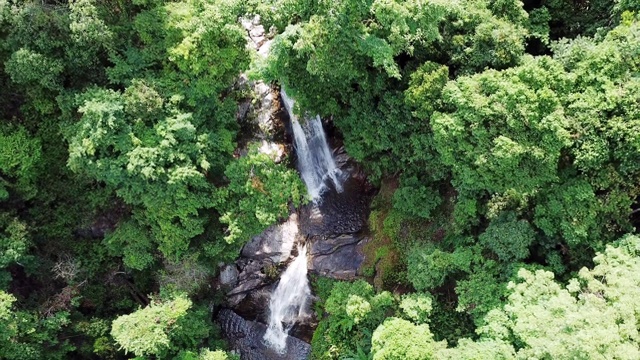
[255, 304]
[245, 337]
[338, 257]
[243, 110]
[337, 213]
[229, 275]
[274, 243]
[330, 245]
[250, 278]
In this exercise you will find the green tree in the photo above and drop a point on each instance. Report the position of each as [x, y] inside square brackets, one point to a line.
[509, 238]
[355, 310]
[29, 68]
[20, 156]
[398, 339]
[604, 120]
[161, 328]
[594, 315]
[416, 307]
[539, 138]
[132, 242]
[570, 212]
[26, 335]
[483, 290]
[158, 162]
[14, 241]
[53, 49]
[548, 320]
[353, 60]
[485, 349]
[258, 194]
[505, 130]
[568, 19]
[206, 354]
[416, 199]
[428, 267]
[192, 48]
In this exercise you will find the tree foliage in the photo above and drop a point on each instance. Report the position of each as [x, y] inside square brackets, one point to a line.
[158, 162]
[29, 335]
[353, 60]
[594, 315]
[398, 339]
[354, 312]
[136, 99]
[148, 330]
[258, 194]
[505, 134]
[509, 238]
[506, 128]
[20, 156]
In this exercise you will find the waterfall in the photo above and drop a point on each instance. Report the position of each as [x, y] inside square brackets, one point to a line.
[288, 301]
[315, 161]
[316, 164]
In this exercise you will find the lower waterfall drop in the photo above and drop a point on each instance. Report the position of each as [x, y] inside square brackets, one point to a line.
[289, 302]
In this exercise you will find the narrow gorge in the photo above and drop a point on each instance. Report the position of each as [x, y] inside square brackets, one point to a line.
[267, 309]
[269, 295]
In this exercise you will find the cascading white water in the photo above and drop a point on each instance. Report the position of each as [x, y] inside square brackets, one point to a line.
[316, 163]
[288, 302]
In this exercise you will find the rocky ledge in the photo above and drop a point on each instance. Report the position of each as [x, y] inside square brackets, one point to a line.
[245, 338]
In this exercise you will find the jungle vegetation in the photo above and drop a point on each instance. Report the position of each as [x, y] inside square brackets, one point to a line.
[503, 135]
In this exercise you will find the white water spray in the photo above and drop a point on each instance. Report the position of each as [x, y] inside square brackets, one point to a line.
[316, 163]
[288, 302]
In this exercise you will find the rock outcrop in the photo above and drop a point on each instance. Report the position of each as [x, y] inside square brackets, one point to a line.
[337, 257]
[250, 280]
[245, 337]
[337, 228]
[257, 113]
[275, 243]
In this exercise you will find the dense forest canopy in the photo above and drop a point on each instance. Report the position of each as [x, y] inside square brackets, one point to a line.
[503, 136]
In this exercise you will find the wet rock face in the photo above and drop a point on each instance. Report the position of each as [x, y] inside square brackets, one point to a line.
[256, 271]
[255, 305]
[228, 275]
[251, 277]
[337, 257]
[337, 213]
[245, 337]
[262, 258]
[337, 227]
[256, 114]
[274, 243]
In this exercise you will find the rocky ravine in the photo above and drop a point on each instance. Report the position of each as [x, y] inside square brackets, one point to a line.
[335, 230]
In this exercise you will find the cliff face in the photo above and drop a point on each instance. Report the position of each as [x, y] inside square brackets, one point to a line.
[245, 337]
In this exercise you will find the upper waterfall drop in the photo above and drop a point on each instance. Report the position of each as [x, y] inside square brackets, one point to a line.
[315, 161]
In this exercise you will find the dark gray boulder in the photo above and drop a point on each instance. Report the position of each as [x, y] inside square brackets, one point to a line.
[250, 278]
[345, 212]
[337, 257]
[228, 275]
